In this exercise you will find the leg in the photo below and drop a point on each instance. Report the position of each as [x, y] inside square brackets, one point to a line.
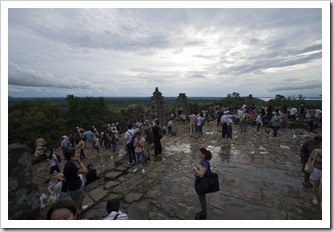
[315, 192]
[52, 169]
[203, 213]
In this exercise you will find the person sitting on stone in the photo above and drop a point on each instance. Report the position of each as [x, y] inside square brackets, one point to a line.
[91, 175]
[40, 148]
[114, 212]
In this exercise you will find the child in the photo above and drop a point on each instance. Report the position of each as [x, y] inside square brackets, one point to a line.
[96, 144]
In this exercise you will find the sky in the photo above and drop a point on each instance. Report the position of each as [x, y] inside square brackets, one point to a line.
[128, 52]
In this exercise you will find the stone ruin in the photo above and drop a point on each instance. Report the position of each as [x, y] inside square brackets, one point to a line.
[23, 202]
[157, 108]
[249, 101]
[182, 105]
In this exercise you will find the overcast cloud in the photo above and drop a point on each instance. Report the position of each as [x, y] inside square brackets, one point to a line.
[129, 52]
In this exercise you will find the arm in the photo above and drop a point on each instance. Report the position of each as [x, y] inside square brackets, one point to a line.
[55, 159]
[82, 167]
[311, 158]
[200, 170]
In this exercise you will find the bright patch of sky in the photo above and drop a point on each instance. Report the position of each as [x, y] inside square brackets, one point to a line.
[207, 52]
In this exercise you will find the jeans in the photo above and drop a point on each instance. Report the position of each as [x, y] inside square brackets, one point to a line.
[82, 154]
[243, 126]
[113, 146]
[192, 129]
[129, 149]
[258, 127]
[224, 130]
[140, 158]
[198, 130]
[275, 130]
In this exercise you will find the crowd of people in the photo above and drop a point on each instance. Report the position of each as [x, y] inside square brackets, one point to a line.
[143, 137]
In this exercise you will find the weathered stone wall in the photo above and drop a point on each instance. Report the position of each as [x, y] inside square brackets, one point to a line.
[23, 204]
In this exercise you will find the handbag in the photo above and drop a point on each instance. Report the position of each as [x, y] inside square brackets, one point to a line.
[207, 184]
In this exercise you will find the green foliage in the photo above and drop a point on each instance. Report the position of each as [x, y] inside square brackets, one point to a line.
[50, 118]
[280, 101]
[27, 120]
[86, 112]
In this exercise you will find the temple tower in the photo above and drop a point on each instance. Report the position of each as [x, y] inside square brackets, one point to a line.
[182, 105]
[157, 108]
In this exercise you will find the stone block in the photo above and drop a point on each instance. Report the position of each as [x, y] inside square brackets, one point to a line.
[98, 193]
[111, 184]
[113, 175]
[23, 204]
[132, 197]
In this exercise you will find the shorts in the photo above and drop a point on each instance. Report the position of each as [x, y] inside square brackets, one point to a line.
[76, 194]
[316, 175]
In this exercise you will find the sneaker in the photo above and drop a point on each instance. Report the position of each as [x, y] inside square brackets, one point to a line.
[152, 162]
[307, 185]
[143, 171]
[198, 213]
[135, 170]
[84, 207]
[200, 216]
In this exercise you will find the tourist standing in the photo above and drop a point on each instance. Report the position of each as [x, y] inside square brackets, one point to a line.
[88, 138]
[139, 143]
[202, 168]
[96, 144]
[54, 164]
[81, 145]
[243, 122]
[157, 136]
[293, 112]
[74, 183]
[315, 164]
[301, 114]
[223, 121]
[199, 124]
[276, 120]
[129, 147]
[305, 151]
[170, 126]
[65, 144]
[229, 128]
[148, 141]
[192, 124]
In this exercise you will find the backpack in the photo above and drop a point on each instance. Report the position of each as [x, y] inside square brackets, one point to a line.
[243, 118]
[58, 157]
[161, 133]
[303, 151]
[149, 135]
[132, 141]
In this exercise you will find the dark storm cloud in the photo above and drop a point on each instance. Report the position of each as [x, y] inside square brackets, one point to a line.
[26, 77]
[113, 46]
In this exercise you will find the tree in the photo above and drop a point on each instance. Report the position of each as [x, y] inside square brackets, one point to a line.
[86, 112]
[28, 120]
